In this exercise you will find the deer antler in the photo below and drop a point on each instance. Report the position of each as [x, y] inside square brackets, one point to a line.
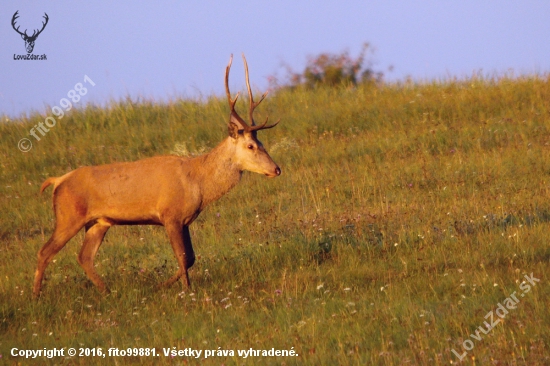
[15, 16]
[253, 104]
[231, 101]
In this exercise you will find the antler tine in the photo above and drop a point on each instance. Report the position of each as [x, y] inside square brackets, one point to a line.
[231, 101]
[263, 126]
[253, 104]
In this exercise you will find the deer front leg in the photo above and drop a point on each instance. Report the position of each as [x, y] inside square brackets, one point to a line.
[180, 239]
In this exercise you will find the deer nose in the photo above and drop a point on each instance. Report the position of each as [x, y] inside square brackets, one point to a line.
[278, 171]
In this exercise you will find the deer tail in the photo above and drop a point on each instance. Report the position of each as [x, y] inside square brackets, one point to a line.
[47, 183]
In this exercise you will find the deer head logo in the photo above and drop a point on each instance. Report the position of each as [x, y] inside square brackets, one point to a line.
[29, 40]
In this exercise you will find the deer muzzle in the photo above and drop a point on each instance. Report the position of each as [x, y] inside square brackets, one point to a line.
[275, 173]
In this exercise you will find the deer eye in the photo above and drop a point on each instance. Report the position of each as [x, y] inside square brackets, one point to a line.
[251, 147]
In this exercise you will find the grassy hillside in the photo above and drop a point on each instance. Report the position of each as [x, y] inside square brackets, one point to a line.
[404, 215]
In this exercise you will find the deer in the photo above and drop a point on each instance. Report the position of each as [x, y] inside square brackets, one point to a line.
[169, 191]
[29, 40]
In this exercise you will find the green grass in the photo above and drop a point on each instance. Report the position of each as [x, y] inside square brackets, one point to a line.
[404, 214]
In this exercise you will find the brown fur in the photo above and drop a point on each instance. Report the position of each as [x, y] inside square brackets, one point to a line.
[165, 190]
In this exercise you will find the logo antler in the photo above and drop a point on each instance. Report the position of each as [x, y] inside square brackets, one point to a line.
[29, 40]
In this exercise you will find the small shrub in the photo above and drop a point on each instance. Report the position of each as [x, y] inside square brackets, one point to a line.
[328, 69]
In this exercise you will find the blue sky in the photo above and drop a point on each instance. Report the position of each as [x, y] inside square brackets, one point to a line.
[166, 49]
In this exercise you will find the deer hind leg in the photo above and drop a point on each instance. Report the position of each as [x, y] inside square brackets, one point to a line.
[180, 239]
[63, 232]
[93, 239]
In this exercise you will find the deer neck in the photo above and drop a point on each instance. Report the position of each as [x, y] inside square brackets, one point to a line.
[219, 172]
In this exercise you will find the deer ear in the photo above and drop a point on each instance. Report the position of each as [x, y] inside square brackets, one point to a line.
[237, 121]
[235, 126]
[233, 130]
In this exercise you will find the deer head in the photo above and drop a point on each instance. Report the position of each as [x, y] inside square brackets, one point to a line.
[250, 152]
[29, 40]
